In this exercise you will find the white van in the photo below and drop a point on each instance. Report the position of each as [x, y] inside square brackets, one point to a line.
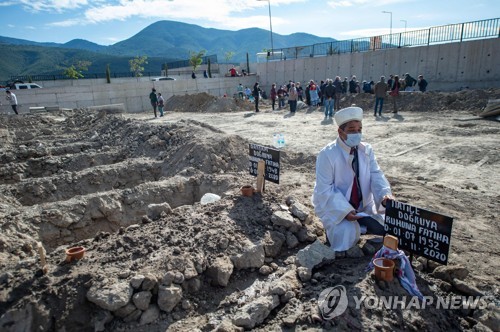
[23, 86]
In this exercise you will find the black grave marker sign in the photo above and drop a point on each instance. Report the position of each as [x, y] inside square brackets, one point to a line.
[419, 231]
[270, 156]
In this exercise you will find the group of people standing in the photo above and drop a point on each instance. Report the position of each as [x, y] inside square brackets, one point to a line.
[394, 85]
[329, 92]
[157, 101]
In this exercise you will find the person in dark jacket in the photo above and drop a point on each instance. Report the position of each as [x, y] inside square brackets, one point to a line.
[154, 100]
[328, 95]
[422, 83]
[352, 85]
[395, 94]
[345, 85]
[337, 84]
[256, 95]
[380, 92]
[273, 94]
[390, 81]
[410, 82]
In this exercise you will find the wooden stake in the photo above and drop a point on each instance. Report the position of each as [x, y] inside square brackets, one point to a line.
[43, 260]
[261, 168]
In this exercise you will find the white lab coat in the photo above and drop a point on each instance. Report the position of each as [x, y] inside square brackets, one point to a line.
[334, 179]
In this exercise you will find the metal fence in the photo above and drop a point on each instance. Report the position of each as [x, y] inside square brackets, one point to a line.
[54, 77]
[436, 35]
[186, 63]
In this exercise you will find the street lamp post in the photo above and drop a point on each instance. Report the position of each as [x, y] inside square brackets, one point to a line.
[390, 31]
[270, 25]
[406, 22]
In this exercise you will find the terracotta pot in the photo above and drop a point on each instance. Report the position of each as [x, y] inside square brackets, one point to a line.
[384, 269]
[247, 190]
[74, 254]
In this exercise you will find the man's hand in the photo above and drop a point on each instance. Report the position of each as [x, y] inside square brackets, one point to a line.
[351, 216]
[385, 198]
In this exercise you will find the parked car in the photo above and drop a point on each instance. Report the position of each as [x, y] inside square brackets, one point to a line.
[23, 86]
[164, 78]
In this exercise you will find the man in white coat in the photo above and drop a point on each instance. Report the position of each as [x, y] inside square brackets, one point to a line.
[350, 188]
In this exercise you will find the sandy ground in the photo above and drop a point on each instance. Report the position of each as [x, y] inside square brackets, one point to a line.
[127, 187]
[456, 174]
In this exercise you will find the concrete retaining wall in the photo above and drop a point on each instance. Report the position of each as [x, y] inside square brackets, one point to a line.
[133, 92]
[447, 67]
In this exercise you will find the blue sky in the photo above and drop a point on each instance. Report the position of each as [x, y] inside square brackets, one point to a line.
[107, 22]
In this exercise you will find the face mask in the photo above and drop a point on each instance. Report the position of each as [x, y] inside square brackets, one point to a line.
[353, 140]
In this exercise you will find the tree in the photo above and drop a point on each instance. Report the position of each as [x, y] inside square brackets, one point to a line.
[72, 73]
[248, 64]
[165, 68]
[136, 65]
[228, 56]
[75, 71]
[83, 65]
[196, 59]
[108, 74]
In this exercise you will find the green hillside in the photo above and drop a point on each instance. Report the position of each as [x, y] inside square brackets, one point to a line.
[18, 60]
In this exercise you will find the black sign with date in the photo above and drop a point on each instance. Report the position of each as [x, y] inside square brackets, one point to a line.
[419, 231]
[270, 156]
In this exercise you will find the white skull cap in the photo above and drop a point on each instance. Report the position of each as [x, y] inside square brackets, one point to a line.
[348, 114]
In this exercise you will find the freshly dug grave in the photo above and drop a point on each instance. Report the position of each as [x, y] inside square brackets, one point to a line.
[128, 189]
[205, 103]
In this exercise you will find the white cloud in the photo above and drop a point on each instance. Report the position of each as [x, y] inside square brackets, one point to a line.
[65, 24]
[364, 3]
[11, 25]
[53, 5]
[7, 3]
[224, 13]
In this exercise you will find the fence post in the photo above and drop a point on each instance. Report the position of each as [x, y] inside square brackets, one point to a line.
[352, 44]
[429, 37]
[462, 32]
[399, 46]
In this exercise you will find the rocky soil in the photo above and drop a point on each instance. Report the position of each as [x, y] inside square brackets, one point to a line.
[128, 187]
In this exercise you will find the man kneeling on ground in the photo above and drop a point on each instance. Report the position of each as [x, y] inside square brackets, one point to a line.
[351, 189]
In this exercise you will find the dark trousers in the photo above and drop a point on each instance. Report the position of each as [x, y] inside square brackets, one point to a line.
[14, 108]
[293, 105]
[154, 107]
[273, 101]
[256, 104]
[372, 226]
[378, 101]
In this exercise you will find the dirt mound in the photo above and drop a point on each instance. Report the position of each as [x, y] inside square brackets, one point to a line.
[205, 103]
[467, 100]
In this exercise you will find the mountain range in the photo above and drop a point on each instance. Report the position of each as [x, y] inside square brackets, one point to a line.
[161, 42]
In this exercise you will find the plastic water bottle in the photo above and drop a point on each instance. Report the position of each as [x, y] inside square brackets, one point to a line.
[275, 140]
[281, 141]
